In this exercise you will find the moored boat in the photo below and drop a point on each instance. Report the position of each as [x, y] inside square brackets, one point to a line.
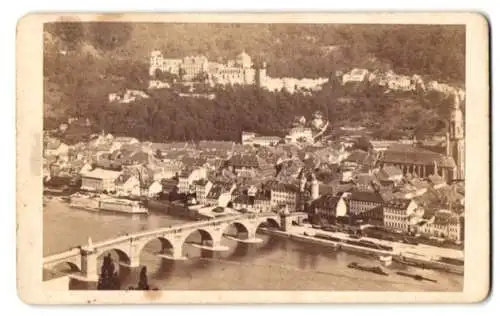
[107, 203]
[415, 276]
[122, 205]
[375, 269]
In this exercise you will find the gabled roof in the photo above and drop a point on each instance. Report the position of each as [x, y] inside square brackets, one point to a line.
[139, 156]
[389, 171]
[123, 178]
[244, 160]
[408, 154]
[168, 184]
[365, 179]
[325, 189]
[339, 188]
[193, 162]
[436, 179]
[99, 173]
[327, 201]
[363, 196]
[200, 182]
[444, 217]
[242, 199]
[400, 204]
[286, 187]
[169, 146]
[357, 156]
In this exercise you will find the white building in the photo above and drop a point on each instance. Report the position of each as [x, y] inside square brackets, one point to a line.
[154, 189]
[128, 96]
[158, 84]
[163, 64]
[399, 214]
[187, 177]
[355, 76]
[100, 180]
[250, 138]
[128, 185]
[239, 71]
[444, 224]
[299, 133]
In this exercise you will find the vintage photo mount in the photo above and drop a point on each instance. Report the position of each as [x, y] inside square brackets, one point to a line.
[29, 59]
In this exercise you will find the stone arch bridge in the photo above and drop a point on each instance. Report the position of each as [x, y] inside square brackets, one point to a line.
[84, 258]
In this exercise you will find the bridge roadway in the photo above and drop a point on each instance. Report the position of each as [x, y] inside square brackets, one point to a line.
[83, 259]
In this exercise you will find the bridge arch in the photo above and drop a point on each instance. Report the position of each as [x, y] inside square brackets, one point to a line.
[237, 229]
[65, 267]
[167, 245]
[269, 222]
[266, 222]
[119, 255]
[201, 236]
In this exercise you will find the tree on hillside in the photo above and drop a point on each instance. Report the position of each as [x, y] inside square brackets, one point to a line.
[363, 143]
[109, 35]
[71, 33]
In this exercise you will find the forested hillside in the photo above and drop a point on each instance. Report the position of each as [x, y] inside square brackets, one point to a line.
[85, 62]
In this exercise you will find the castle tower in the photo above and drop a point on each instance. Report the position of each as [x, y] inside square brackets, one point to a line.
[155, 61]
[261, 74]
[456, 143]
[244, 60]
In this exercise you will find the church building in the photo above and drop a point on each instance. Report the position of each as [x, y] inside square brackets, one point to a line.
[422, 163]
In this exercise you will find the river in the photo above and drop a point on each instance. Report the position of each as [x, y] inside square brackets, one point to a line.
[274, 264]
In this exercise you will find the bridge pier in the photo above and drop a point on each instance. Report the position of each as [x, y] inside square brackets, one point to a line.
[89, 266]
[174, 254]
[134, 262]
[85, 258]
[251, 239]
[211, 245]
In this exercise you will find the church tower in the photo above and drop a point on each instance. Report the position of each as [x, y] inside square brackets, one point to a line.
[456, 143]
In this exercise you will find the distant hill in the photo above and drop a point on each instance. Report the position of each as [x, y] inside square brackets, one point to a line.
[83, 62]
[290, 49]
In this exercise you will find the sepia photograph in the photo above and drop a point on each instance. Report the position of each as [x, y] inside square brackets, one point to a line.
[293, 154]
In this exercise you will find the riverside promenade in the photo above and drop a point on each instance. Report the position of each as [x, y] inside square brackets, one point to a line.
[423, 255]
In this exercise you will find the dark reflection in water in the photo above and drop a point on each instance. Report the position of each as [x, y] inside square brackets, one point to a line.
[200, 261]
[240, 252]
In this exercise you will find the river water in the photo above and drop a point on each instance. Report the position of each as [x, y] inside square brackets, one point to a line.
[274, 264]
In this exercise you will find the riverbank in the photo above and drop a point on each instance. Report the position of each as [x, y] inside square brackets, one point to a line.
[418, 257]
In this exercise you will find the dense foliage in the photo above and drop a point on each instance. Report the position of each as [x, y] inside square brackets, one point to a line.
[101, 58]
[166, 116]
